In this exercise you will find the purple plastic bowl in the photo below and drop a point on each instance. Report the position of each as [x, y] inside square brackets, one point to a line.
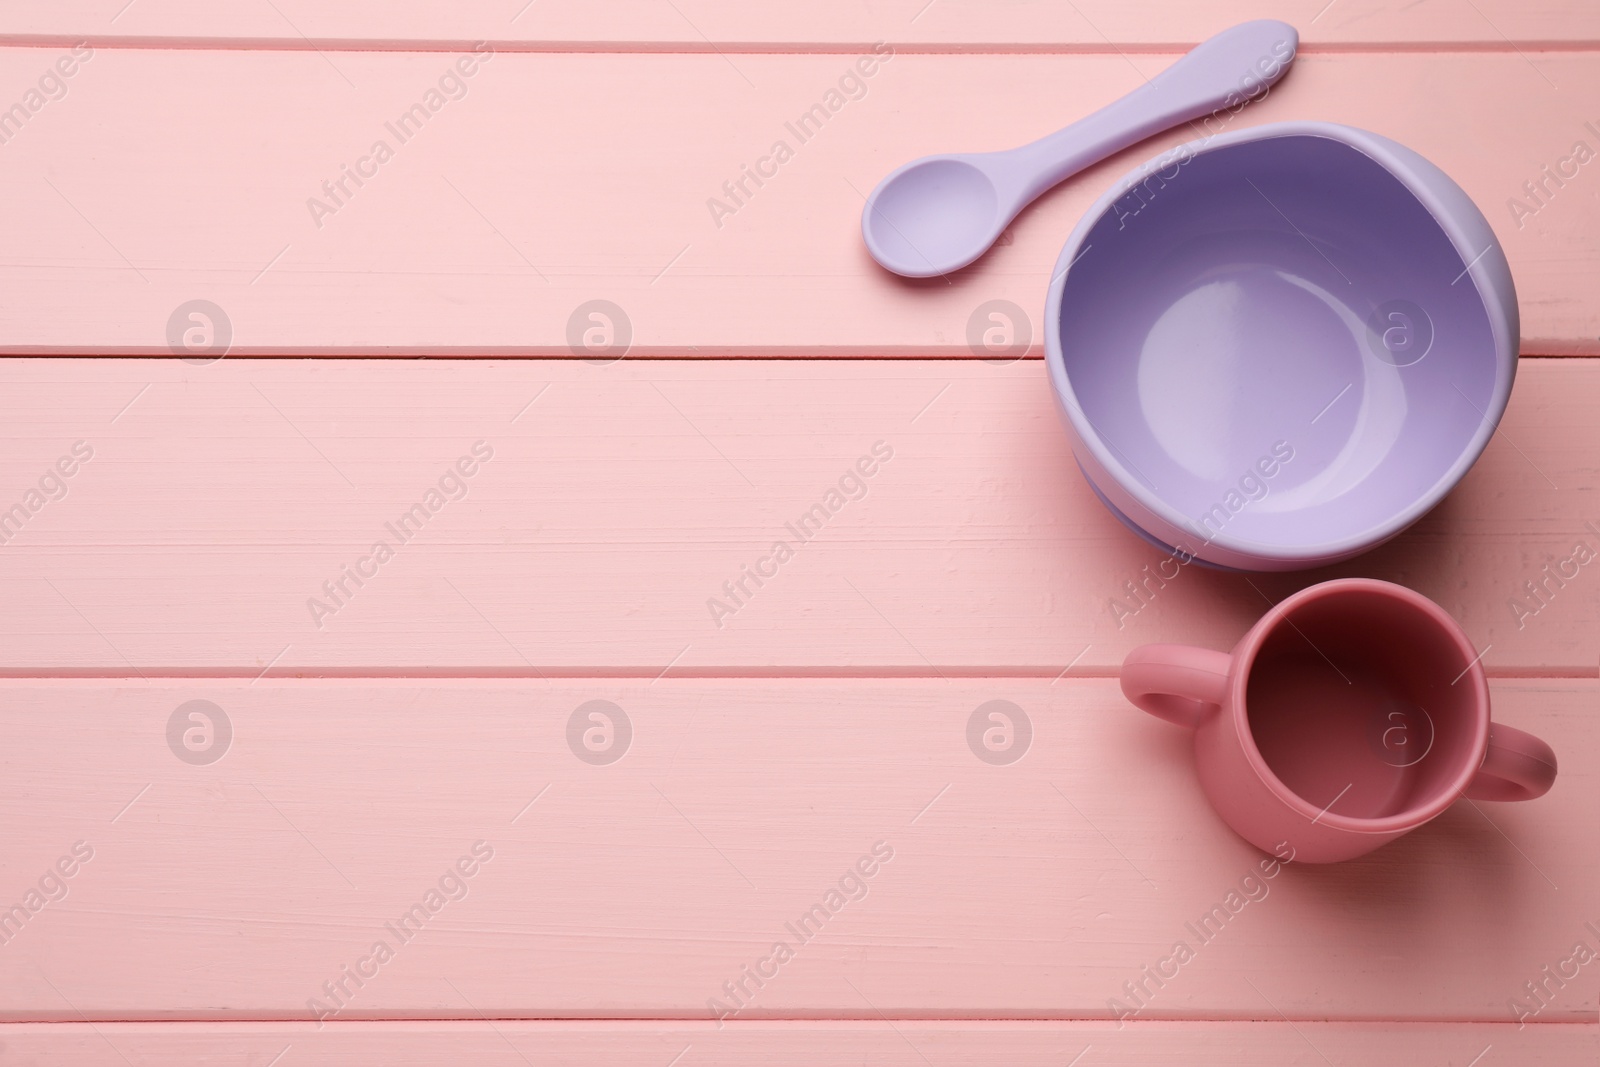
[1278, 348]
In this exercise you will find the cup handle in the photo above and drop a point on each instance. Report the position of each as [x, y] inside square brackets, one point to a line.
[1179, 683]
[1518, 766]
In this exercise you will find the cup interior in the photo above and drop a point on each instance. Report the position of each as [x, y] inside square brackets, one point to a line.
[1360, 703]
[1279, 342]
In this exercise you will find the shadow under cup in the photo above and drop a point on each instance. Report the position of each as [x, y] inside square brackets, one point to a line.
[1361, 706]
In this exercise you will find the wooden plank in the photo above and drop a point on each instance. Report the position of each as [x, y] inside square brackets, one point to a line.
[636, 888]
[620, 499]
[456, 245]
[510, 1043]
[833, 24]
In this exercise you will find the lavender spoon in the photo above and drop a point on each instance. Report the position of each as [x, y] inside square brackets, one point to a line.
[939, 213]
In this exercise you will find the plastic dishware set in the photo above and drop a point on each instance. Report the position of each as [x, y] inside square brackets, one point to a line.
[1273, 349]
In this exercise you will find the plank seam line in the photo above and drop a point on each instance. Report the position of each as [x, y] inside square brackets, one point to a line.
[352, 675]
[728, 354]
[1038, 1021]
[155, 42]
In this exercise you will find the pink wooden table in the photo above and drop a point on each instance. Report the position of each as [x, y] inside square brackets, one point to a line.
[300, 758]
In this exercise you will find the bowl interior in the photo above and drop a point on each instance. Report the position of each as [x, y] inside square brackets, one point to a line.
[1278, 341]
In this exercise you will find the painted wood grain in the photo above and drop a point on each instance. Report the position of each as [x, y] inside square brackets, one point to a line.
[634, 871]
[230, 521]
[543, 183]
[708, 24]
[404, 752]
[511, 1043]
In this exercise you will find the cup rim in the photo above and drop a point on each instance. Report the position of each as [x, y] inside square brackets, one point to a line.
[1244, 656]
[1240, 550]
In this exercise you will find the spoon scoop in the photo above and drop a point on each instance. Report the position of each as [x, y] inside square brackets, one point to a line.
[937, 214]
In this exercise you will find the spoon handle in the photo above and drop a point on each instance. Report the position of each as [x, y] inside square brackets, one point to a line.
[1224, 71]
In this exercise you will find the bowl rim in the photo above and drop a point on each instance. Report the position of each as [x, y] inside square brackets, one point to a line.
[1393, 157]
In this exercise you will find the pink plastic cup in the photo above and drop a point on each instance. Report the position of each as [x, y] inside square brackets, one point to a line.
[1352, 713]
